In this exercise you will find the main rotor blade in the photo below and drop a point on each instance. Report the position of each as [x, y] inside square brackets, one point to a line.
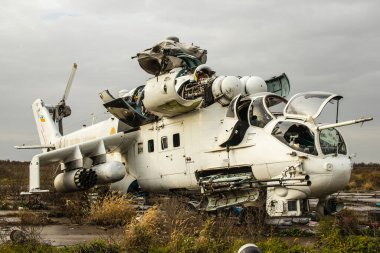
[69, 83]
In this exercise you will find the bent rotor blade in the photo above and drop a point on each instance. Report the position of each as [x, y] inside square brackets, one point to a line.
[69, 83]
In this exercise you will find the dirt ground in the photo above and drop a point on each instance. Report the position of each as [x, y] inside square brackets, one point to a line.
[61, 232]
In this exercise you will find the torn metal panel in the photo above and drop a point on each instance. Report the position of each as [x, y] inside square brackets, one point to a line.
[170, 54]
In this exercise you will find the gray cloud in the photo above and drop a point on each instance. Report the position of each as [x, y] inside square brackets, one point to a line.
[321, 45]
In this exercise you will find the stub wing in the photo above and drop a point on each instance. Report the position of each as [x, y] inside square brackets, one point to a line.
[81, 156]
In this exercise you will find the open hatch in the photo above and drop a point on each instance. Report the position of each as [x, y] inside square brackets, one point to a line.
[310, 104]
[279, 85]
[129, 109]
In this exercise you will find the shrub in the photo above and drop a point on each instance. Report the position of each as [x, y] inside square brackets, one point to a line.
[143, 234]
[347, 222]
[26, 248]
[97, 246]
[75, 210]
[172, 227]
[275, 245]
[361, 244]
[113, 210]
[368, 186]
[337, 234]
[33, 218]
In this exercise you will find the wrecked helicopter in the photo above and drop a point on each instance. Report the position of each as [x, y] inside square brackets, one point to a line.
[222, 138]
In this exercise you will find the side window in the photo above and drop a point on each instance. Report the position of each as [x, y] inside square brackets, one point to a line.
[140, 148]
[164, 142]
[176, 140]
[150, 146]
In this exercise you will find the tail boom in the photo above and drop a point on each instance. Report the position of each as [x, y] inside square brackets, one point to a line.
[46, 127]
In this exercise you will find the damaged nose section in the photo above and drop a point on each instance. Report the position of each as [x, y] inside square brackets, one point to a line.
[290, 198]
[329, 205]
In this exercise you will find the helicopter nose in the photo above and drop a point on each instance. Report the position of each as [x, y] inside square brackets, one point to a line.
[341, 173]
[332, 175]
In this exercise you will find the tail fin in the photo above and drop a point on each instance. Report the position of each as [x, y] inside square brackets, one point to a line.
[47, 129]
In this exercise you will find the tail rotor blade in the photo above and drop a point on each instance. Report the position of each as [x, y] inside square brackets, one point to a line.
[61, 109]
[60, 127]
[69, 83]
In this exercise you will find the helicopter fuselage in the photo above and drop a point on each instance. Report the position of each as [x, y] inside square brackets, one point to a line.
[184, 153]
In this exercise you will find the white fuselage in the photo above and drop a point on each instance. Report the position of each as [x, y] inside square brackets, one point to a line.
[158, 169]
[175, 167]
[224, 152]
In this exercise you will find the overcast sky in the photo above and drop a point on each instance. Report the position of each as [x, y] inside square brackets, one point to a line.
[321, 45]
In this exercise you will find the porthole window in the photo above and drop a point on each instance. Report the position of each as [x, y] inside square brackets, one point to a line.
[151, 146]
[176, 140]
[140, 148]
[164, 142]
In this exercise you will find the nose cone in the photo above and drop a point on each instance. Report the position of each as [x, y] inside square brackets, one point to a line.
[329, 175]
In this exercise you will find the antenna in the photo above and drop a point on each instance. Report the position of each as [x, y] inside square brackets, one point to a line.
[337, 112]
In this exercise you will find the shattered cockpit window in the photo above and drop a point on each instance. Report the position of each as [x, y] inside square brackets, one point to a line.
[297, 136]
[332, 142]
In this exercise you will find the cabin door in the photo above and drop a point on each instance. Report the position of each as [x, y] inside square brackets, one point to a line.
[171, 155]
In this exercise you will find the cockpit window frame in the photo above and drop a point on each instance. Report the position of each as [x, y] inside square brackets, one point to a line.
[337, 152]
[232, 108]
[263, 102]
[315, 136]
[267, 108]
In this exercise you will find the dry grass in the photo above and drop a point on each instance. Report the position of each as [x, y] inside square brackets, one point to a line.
[30, 228]
[365, 177]
[112, 210]
[75, 211]
[142, 234]
[347, 222]
[29, 218]
[171, 226]
[368, 186]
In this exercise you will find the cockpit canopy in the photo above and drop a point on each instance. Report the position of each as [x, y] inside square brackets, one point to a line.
[248, 111]
[264, 109]
[257, 111]
[310, 104]
[299, 137]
